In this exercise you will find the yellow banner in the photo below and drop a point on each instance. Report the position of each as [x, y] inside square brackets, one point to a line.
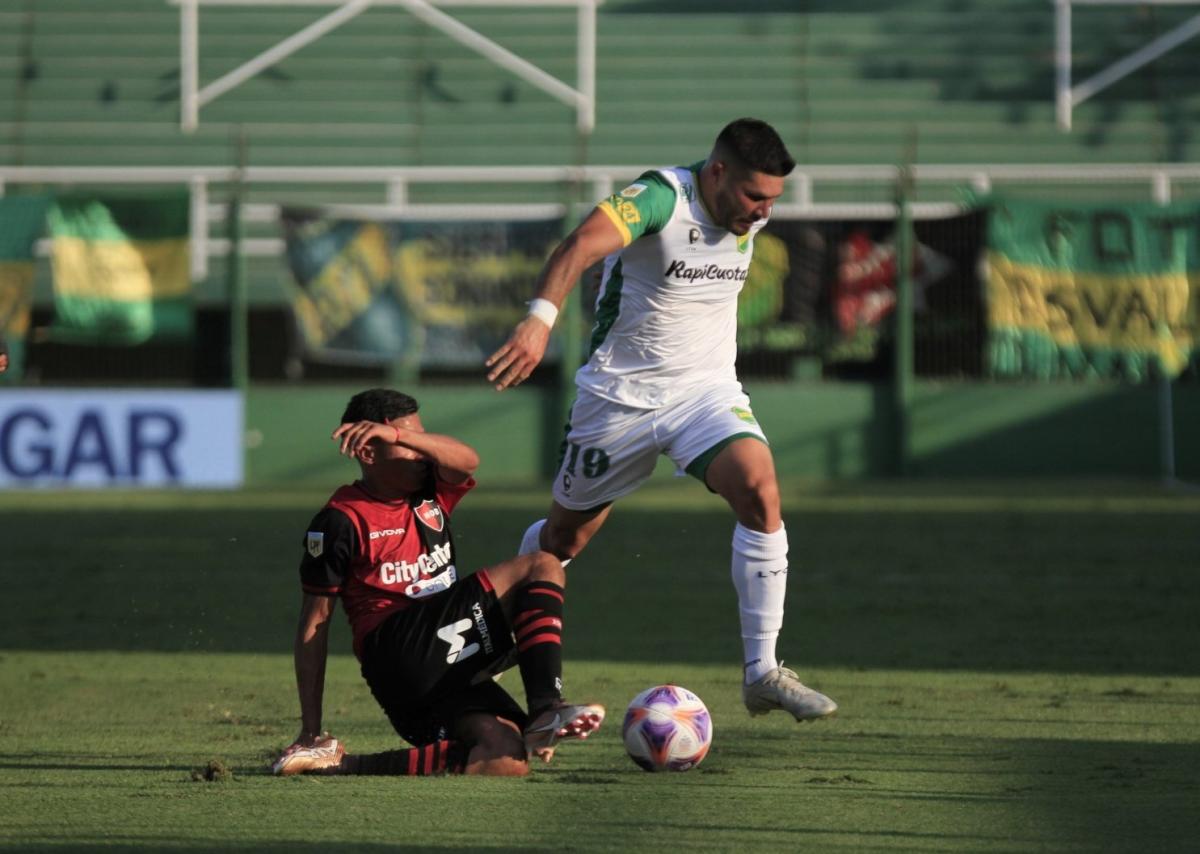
[16, 298]
[133, 271]
[1131, 312]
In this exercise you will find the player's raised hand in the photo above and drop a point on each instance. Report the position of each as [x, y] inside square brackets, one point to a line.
[512, 364]
[356, 436]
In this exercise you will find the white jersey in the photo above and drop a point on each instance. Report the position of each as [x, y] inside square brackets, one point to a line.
[666, 315]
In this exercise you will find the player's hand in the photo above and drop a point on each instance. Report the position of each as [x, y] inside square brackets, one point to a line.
[357, 435]
[512, 364]
[304, 739]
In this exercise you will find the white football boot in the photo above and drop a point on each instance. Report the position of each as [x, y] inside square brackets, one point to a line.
[325, 753]
[544, 732]
[781, 688]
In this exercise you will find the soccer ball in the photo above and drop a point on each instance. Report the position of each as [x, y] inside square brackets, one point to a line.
[667, 728]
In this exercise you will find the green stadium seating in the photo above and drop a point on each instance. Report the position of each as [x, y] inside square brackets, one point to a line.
[846, 82]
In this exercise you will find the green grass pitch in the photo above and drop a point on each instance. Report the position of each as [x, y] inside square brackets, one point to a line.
[1016, 666]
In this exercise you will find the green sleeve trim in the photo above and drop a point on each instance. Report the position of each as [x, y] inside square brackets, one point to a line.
[698, 468]
[645, 206]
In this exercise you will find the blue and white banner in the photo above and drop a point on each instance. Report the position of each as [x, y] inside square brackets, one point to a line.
[109, 438]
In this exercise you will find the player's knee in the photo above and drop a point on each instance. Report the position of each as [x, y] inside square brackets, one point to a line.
[546, 567]
[499, 751]
[756, 502]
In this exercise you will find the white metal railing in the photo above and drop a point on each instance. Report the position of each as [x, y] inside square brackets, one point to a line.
[1066, 96]
[395, 182]
[582, 99]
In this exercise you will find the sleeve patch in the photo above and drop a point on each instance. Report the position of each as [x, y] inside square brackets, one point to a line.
[633, 191]
[315, 543]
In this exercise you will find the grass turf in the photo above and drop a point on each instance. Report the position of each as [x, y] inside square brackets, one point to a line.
[1016, 667]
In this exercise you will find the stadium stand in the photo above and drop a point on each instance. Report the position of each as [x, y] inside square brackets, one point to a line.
[97, 84]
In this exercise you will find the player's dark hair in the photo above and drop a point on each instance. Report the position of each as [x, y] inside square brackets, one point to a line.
[379, 405]
[753, 144]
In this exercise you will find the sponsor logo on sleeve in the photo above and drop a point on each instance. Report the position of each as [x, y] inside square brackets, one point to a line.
[633, 191]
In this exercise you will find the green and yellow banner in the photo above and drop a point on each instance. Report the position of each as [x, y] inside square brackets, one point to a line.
[1079, 290]
[22, 219]
[430, 294]
[121, 268]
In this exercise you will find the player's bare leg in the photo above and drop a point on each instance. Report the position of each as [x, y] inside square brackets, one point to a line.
[564, 533]
[743, 473]
[531, 590]
[497, 746]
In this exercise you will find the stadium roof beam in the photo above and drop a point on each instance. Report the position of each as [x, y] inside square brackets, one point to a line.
[583, 99]
[1067, 97]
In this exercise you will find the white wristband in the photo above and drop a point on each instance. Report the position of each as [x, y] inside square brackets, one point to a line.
[544, 311]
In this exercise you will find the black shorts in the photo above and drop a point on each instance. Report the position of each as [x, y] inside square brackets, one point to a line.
[432, 662]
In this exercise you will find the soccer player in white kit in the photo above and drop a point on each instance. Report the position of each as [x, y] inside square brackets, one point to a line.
[676, 246]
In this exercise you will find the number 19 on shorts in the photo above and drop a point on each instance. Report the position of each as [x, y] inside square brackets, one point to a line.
[591, 462]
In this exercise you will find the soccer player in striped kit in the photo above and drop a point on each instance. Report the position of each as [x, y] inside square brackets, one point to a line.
[676, 246]
[429, 641]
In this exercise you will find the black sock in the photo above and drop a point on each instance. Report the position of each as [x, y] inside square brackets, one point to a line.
[438, 757]
[538, 631]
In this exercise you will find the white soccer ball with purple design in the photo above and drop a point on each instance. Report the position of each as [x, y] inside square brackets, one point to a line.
[667, 728]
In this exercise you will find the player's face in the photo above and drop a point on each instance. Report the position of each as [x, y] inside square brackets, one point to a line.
[401, 463]
[744, 197]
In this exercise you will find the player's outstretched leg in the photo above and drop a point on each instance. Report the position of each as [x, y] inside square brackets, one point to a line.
[537, 629]
[531, 589]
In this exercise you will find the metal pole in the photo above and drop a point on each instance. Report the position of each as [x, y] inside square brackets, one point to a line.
[1166, 408]
[239, 372]
[198, 227]
[902, 377]
[1062, 62]
[569, 329]
[586, 62]
[189, 64]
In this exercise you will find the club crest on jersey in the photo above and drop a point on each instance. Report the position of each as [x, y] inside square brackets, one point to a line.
[315, 543]
[430, 515]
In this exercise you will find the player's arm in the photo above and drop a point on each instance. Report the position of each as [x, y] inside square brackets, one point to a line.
[455, 460]
[310, 653]
[596, 237]
[329, 548]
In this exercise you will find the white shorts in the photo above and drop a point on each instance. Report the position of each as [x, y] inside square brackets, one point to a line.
[611, 449]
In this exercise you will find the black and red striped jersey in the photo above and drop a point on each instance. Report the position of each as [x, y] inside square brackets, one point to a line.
[380, 555]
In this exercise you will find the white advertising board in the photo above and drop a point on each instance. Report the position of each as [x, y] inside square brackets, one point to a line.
[65, 438]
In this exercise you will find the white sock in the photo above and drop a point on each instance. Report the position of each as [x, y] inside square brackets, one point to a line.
[532, 541]
[759, 570]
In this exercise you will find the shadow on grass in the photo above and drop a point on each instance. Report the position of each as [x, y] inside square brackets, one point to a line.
[988, 590]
